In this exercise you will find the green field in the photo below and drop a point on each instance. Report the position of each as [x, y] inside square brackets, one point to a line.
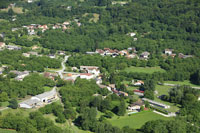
[7, 131]
[148, 70]
[136, 120]
[186, 82]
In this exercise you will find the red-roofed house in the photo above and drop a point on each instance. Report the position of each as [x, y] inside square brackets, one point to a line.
[138, 92]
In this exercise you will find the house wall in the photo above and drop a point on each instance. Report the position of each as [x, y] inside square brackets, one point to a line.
[23, 105]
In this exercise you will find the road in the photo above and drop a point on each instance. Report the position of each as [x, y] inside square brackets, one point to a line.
[60, 72]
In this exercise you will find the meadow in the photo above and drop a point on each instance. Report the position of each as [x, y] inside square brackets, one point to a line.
[137, 120]
[148, 70]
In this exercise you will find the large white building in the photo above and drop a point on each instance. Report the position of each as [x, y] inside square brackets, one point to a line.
[40, 100]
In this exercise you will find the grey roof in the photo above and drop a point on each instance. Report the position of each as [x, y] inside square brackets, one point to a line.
[46, 94]
[30, 101]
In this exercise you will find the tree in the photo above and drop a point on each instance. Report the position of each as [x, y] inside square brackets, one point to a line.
[13, 103]
[54, 129]
[149, 94]
[121, 109]
[3, 97]
[10, 12]
[70, 113]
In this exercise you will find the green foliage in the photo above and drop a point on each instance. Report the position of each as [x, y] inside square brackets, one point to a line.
[13, 103]
[3, 97]
[15, 59]
[31, 85]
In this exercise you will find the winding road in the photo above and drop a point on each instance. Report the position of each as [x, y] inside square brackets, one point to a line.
[60, 72]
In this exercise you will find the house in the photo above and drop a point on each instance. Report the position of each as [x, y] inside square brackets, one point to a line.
[132, 34]
[70, 76]
[61, 52]
[20, 75]
[33, 53]
[144, 55]
[50, 75]
[154, 103]
[123, 52]
[181, 55]
[135, 39]
[40, 100]
[12, 47]
[15, 29]
[168, 51]
[98, 80]
[31, 31]
[100, 51]
[2, 45]
[131, 56]
[86, 76]
[136, 106]
[35, 47]
[138, 83]
[66, 23]
[138, 92]
[30, 1]
[90, 53]
[131, 49]
[123, 93]
[2, 35]
[172, 55]
[1, 70]
[112, 86]
[52, 56]
[90, 69]
[26, 54]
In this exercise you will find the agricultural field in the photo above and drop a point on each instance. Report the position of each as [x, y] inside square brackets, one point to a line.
[136, 120]
[148, 70]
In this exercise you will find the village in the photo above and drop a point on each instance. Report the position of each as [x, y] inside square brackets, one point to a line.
[89, 73]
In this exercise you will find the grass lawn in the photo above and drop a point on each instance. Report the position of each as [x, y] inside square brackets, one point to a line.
[7, 131]
[3, 20]
[148, 70]
[15, 9]
[136, 120]
[46, 88]
[24, 112]
[186, 82]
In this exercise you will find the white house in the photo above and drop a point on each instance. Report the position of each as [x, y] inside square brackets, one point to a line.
[86, 76]
[2, 45]
[91, 69]
[12, 47]
[139, 92]
[145, 55]
[168, 51]
[39, 100]
[136, 106]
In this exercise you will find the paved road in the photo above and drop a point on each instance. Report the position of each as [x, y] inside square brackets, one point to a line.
[4, 108]
[60, 72]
